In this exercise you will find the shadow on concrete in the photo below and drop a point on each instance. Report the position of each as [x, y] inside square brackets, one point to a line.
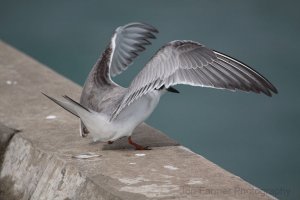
[6, 134]
[143, 135]
[6, 183]
[7, 190]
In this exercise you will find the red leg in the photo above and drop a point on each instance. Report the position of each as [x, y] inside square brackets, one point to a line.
[137, 146]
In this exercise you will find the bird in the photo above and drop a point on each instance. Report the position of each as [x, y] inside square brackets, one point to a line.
[108, 111]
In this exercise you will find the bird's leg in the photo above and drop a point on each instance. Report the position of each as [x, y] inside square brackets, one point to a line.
[110, 142]
[137, 146]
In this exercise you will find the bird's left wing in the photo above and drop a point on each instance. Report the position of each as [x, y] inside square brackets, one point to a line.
[191, 63]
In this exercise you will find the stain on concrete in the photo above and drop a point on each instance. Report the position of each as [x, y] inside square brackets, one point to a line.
[9, 82]
[196, 181]
[140, 154]
[63, 172]
[51, 117]
[152, 190]
[170, 167]
[131, 181]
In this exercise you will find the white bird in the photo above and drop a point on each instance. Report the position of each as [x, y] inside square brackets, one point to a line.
[108, 111]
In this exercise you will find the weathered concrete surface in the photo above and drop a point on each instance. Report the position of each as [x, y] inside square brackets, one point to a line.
[38, 160]
[6, 134]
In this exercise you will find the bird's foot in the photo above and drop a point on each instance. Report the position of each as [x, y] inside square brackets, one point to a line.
[137, 146]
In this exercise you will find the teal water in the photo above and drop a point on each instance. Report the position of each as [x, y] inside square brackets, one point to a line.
[251, 135]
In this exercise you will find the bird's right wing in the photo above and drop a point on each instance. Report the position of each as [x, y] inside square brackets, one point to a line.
[127, 42]
[191, 63]
[125, 45]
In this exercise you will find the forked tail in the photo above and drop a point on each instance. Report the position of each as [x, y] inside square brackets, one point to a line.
[69, 105]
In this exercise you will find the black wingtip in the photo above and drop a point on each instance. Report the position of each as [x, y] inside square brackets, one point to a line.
[171, 89]
[274, 90]
[151, 28]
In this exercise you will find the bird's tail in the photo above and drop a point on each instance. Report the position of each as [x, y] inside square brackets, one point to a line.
[70, 105]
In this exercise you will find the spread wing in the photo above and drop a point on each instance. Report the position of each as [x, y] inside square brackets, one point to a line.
[127, 42]
[125, 45]
[188, 62]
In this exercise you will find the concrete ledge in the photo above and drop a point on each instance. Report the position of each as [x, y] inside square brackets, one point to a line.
[38, 161]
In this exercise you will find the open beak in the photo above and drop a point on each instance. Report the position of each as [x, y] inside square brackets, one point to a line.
[171, 89]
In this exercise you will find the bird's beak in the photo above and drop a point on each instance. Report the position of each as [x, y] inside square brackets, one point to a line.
[171, 89]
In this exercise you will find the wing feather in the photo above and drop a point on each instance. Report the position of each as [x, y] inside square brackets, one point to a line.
[128, 41]
[191, 63]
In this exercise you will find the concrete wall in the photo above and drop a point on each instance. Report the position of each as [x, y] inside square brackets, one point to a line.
[38, 162]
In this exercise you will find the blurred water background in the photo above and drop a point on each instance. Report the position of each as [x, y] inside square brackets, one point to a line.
[253, 136]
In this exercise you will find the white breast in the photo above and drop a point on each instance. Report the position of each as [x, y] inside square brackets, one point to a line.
[102, 129]
[137, 112]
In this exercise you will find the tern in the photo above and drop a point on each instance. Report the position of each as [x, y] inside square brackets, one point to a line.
[109, 111]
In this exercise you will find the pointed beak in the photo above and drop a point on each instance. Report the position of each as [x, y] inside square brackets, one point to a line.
[171, 89]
